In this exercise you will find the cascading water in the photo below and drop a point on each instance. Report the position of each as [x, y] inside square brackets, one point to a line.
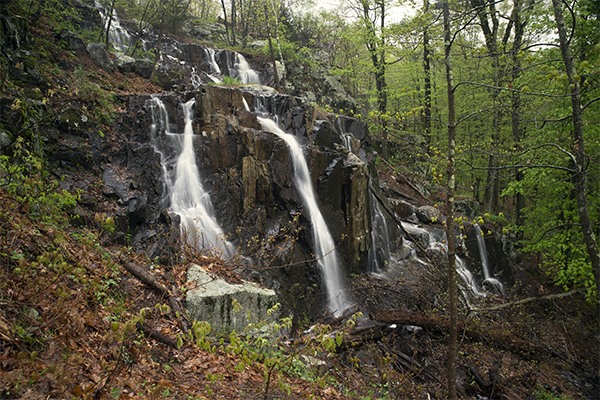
[346, 137]
[119, 37]
[188, 198]
[488, 279]
[466, 276]
[210, 57]
[482, 252]
[196, 81]
[438, 241]
[241, 70]
[379, 253]
[324, 244]
[160, 122]
[212, 62]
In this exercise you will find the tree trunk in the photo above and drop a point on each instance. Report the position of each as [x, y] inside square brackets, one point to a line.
[281, 58]
[452, 283]
[580, 177]
[376, 48]
[271, 49]
[517, 127]
[225, 20]
[233, 22]
[427, 82]
[108, 9]
[490, 33]
[110, 18]
[498, 335]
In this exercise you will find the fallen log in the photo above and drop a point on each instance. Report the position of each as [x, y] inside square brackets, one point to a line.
[358, 336]
[151, 333]
[501, 337]
[149, 280]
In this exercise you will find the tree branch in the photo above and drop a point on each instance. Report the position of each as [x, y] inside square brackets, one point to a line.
[510, 90]
[529, 300]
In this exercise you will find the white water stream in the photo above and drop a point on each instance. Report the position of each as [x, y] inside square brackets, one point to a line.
[196, 81]
[439, 243]
[188, 198]
[212, 62]
[380, 255]
[241, 70]
[117, 35]
[488, 279]
[485, 265]
[325, 252]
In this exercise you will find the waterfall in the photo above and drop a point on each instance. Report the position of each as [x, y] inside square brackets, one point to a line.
[237, 67]
[466, 276]
[196, 81]
[212, 62]
[488, 279]
[188, 198]
[324, 244]
[379, 252]
[437, 240]
[118, 36]
[379, 255]
[242, 71]
[346, 137]
[160, 122]
[482, 252]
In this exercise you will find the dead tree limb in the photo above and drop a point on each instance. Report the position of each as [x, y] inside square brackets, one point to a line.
[150, 280]
[501, 337]
[157, 335]
[528, 300]
[404, 179]
[398, 221]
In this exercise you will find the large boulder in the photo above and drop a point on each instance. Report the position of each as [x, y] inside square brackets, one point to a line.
[213, 300]
[203, 30]
[428, 214]
[100, 57]
[468, 207]
[402, 208]
[125, 63]
[73, 41]
[144, 67]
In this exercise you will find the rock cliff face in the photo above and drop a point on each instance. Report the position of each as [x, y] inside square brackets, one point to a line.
[249, 176]
[246, 170]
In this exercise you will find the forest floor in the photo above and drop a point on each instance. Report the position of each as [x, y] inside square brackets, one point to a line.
[68, 329]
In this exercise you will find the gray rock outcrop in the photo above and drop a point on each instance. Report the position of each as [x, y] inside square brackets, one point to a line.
[213, 300]
[428, 214]
[100, 57]
[74, 42]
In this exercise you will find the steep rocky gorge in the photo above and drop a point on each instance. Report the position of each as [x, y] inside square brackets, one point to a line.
[114, 132]
[247, 172]
[124, 169]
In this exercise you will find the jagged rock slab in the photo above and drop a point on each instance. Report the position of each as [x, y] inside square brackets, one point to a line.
[213, 301]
